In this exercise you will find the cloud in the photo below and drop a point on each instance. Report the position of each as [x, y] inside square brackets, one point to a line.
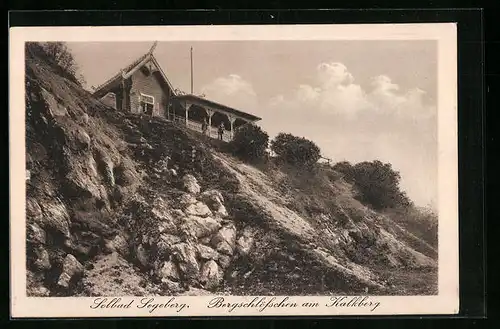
[231, 90]
[332, 75]
[382, 84]
[335, 92]
[386, 97]
[350, 122]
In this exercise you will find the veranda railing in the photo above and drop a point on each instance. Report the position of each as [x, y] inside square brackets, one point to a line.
[197, 126]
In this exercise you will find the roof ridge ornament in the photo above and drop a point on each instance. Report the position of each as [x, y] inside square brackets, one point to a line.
[179, 91]
[152, 48]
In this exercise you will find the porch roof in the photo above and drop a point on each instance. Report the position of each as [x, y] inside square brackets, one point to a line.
[217, 106]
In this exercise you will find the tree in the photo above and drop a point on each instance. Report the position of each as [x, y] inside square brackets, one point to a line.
[294, 150]
[250, 142]
[59, 53]
[379, 185]
[377, 182]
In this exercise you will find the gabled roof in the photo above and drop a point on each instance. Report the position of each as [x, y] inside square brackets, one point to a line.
[127, 71]
[130, 69]
[214, 105]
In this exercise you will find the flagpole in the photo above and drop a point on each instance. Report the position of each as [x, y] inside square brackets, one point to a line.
[191, 70]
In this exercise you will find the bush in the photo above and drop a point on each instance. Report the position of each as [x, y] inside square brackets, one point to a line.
[58, 54]
[250, 142]
[297, 151]
[345, 168]
[377, 183]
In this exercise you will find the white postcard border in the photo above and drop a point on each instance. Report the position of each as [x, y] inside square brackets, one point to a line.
[446, 302]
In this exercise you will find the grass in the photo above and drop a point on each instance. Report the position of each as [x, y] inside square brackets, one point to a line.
[410, 282]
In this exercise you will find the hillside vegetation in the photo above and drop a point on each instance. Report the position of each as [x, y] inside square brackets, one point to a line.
[121, 204]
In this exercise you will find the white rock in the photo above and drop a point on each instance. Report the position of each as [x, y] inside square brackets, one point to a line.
[71, 268]
[207, 253]
[224, 260]
[211, 275]
[177, 213]
[221, 211]
[205, 240]
[82, 138]
[169, 271]
[185, 254]
[215, 201]
[40, 292]
[85, 118]
[36, 234]
[167, 227]
[200, 226]
[170, 239]
[42, 262]
[118, 244]
[56, 217]
[212, 198]
[224, 241]
[191, 184]
[33, 210]
[198, 209]
[166, 242]
[186, 200]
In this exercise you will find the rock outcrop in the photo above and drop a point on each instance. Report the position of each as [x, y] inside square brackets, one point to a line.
[190, 184]
[185, 254]
[169, 271]
[225, 239]
[118, 244]
[72, 268]
[42, 262]
[200, 226]
[211, 275]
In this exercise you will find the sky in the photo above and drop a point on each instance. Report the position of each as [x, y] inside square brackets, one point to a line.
[357, 100]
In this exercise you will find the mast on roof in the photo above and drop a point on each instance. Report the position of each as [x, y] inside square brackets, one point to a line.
[191, 70]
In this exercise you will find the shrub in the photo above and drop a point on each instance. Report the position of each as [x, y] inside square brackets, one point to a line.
[377, 182]
[250, 142]
[297, 151]
[345, 168]
[58, 54]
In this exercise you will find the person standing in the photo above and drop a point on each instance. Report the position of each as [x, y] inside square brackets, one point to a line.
[221, 130]
[204, 126]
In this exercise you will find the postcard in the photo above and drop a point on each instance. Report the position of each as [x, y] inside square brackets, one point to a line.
[264, 170]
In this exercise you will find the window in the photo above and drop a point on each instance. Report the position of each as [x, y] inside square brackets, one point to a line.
[146, 104]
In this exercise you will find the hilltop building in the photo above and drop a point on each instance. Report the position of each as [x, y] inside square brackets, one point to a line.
[143, 87]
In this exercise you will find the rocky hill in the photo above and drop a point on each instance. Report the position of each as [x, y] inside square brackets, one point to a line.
[121, 204]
